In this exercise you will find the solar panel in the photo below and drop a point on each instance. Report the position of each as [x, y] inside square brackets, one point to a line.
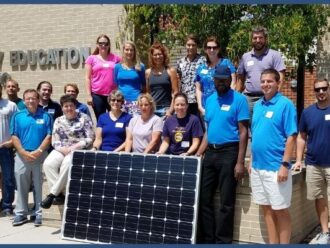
[131, 198]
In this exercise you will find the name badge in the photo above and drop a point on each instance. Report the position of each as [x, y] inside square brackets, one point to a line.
[106, 65]
[269, 114]
[225, 107]
[185, 144]
[327, 117]
[77, 125]
[119, 124]
[204, 71]
[51, 111]
[40, 121]
[250, 63]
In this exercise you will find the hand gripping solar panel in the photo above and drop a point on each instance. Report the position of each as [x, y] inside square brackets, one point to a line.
[131, 198]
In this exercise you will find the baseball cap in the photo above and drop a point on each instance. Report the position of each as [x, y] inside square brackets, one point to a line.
[222, 72]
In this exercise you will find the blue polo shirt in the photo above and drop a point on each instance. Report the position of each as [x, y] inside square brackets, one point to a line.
[315, 122]
[222, 114]
[31, 129]
[273, 122]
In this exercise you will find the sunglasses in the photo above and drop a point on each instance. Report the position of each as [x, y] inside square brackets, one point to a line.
[211, 47]
[103, 44]
[115, 100]
[324, 89]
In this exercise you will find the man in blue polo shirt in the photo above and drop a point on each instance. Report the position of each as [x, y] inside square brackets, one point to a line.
[274, 129]
[227, 116]
[261, 57]
[31, 135]
[314, 130]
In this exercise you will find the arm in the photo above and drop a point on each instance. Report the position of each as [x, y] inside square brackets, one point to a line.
[243, 139]
[282, 175]
[43, 147]
[128, 141]
[301, 141]
[98, 138]
[7, 144]
[20, 150]
[164, 146]
[175, 88]
[282, 77]
[123, 145]
[148, 71]
[203, 146]
[155, 139]
[233, 81]
[88, 84]
[240, 82]
[199, 98]
[193, 147]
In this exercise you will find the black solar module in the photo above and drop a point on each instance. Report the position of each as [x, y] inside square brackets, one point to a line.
[131, 198]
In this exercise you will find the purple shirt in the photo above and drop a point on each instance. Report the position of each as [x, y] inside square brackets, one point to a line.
[181, 132]
[252, 66]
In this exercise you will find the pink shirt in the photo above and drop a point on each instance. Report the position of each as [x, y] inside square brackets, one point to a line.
[102, 81]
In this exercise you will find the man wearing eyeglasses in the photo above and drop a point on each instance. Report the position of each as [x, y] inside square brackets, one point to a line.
[254, 62]
[314, 130]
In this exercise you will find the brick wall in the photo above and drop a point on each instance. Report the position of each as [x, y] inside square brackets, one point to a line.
[323, 56]
[26, 27]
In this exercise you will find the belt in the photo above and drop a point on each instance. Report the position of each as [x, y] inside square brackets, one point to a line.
[220, 146]
[259, 94]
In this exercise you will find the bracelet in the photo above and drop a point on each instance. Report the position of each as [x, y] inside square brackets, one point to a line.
[40, 150]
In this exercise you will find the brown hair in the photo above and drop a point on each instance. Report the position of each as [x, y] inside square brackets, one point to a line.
[158, 46]
[96, 51]
[73, 85]
[216, 41]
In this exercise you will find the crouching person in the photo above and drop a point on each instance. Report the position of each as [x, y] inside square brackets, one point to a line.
[72, 131]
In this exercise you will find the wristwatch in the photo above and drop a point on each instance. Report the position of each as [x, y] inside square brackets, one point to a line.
[286, 164]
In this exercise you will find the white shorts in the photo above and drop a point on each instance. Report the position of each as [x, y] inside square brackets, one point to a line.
[267, 191]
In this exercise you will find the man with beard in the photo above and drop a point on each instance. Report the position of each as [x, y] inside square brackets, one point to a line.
[314, 130]
[254, 62]
[227, 116]
[45, 90]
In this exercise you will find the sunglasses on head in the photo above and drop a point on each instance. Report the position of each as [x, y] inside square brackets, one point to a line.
[103, 43]
[321, 88]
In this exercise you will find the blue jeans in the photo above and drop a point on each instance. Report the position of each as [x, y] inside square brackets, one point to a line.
[8, 177]
[218, 173]
[100, 105]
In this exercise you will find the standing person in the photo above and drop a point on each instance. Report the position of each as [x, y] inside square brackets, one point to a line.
[130, 77]
[186, 68]
[111, 127]
[12, 89]
[314, 130]
[7, 110]
[72, 131]
[253, 63]
[31, 135]
[226, 116]
[99, 75]
[144, 131]
[45, 90]
[274, 117]
[162, 80]
[205, 72]
[73, 90]
[182, 131]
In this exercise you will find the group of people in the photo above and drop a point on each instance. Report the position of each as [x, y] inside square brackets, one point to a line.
[203, 107]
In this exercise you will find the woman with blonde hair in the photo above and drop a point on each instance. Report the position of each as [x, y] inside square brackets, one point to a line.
[162, 80]
[129, 77]
[144, 131]
[100, 75]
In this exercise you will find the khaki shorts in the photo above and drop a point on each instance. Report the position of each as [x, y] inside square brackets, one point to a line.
[318, 182]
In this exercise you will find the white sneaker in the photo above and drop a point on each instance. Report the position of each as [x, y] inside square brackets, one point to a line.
[322, 239]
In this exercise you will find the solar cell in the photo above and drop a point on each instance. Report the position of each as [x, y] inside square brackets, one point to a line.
[131, 198]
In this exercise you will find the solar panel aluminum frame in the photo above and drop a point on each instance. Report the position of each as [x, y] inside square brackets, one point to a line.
[195, 205]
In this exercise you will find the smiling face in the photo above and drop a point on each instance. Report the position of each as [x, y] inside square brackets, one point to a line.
[71, 91]
[145, 107]
[69, 110]
[45, 92]
[212, 50]
[129, 52]
[180, 106]
[103, 45]
[31, 100]
[191, 47]
[259, 41]
[116, 103]
[12, 89]
[269, 85]
[158, 57]
[321, 89]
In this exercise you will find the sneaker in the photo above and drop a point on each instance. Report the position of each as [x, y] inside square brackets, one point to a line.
[323, 239]
[38, 220]
[59, 200]
[8, 212]
[48, 201]
[19, 220]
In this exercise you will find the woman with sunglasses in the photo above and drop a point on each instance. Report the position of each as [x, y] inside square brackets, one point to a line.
[144, 131]
[99, 75]
[204, 74]
[130, 77]
[162, 80]
[111, 127]
[182, 132]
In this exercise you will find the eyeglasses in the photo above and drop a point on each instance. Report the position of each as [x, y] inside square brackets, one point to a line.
[115, 100]
[324, 89]
[103, 44]
[211, 47]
